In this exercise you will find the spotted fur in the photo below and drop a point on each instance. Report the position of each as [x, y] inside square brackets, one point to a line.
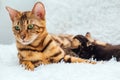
[35, 45]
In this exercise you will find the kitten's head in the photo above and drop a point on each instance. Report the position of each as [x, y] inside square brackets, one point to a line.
[29, 25]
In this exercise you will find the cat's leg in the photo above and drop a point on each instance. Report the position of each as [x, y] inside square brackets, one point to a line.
[97, 42]
[72, 59]
[27, 64]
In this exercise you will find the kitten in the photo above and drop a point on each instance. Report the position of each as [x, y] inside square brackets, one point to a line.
[97, 50]
[35, 45]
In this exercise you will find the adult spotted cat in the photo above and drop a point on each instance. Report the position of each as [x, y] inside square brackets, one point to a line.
[35, 45]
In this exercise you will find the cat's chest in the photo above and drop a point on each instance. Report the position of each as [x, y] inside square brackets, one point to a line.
[26, 53]
[29, 51]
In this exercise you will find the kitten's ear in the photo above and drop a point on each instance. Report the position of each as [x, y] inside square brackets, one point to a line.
[12, 12]
[39, 10]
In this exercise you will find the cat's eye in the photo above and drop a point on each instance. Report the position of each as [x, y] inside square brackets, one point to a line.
[17, 28]
[30, 26]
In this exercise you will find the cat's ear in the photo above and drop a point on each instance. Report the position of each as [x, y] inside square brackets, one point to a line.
[39, 10]
[13, 13]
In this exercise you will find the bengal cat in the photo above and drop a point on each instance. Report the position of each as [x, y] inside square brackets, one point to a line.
[35, 45]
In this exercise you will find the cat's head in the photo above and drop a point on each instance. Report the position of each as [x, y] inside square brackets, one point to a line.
[27, 26]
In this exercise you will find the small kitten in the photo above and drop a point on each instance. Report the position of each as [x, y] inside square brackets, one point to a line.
[96, 49]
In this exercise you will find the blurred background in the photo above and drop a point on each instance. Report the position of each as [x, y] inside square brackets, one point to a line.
[100, 17]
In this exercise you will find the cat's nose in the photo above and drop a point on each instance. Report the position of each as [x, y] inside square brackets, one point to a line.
[23, 37]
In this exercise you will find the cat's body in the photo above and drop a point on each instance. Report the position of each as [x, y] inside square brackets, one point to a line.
[35, 45]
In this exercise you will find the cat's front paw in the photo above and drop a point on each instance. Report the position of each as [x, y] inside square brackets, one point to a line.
[28, 65]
